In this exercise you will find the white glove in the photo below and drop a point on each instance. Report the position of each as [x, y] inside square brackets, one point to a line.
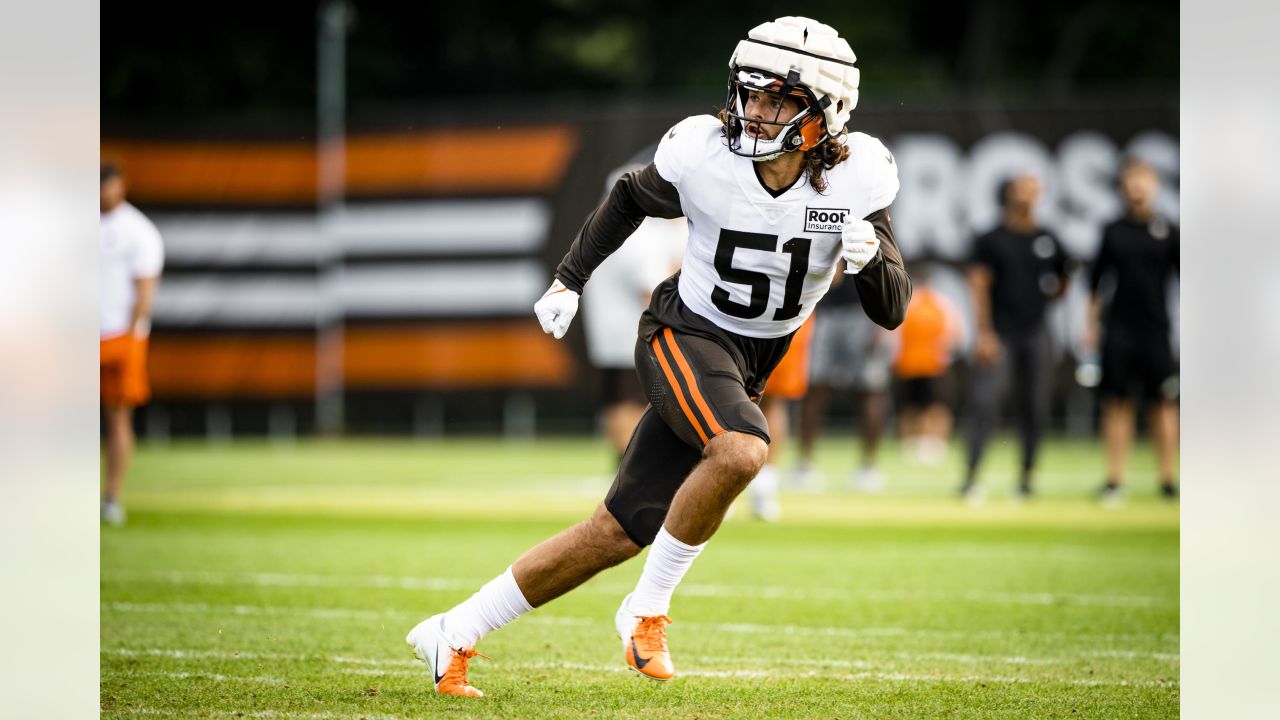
[556, 308]
[860, 245]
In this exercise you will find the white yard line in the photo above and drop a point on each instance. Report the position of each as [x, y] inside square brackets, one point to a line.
[1129, 654]
[742, 628]
[237, 655]
[252, 610]
[375, 666]
[907, 657]
[257, 714]
[745, 673]
[215, 677]
[692, 589]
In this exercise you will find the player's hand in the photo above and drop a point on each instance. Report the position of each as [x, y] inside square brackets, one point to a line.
[556, 308]
[988, 348]
[860, 245]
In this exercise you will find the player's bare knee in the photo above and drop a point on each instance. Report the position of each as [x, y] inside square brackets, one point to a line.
[739, 455]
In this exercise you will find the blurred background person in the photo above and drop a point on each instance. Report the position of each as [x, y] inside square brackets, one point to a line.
[647, 258]
[788, 383]
[927, 342]
[131, 257]
[620, 294]
[1016, 270]
[848, 351]
[1128, 310]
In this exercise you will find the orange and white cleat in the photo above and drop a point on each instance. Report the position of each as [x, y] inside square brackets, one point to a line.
[448, 662]
[644, 642]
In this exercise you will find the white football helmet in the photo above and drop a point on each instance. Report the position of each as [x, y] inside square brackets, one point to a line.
[792, 57]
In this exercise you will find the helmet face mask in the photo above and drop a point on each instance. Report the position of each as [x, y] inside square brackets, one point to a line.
[802, 131]
[791, 57]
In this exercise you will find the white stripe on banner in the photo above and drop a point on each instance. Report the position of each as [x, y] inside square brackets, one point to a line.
[266, 300]
[215, 239]
[434, 289]
[457, 226]
[442, 289]
[442, 227]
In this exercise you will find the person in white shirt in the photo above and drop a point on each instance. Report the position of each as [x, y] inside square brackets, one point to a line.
[623, 285]
[131, 257]
[614, 307]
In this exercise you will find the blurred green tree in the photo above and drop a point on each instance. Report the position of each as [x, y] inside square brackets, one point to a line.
[257, 60]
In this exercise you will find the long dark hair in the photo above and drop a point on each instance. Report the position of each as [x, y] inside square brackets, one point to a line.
[830, 153]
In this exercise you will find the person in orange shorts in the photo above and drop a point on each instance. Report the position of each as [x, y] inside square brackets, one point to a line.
[928, 339]
[789, 382]
[131, 257]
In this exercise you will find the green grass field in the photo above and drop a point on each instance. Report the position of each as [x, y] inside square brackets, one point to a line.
[262, 581]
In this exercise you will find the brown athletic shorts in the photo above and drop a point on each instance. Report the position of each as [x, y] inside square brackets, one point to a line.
[619, 385]
[696, 391]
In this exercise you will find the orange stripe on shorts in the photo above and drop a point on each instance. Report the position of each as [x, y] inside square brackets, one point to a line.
[693, 385]
[675, 386]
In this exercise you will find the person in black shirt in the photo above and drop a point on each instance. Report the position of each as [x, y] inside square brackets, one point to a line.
[1130, 280]
[1017, 269]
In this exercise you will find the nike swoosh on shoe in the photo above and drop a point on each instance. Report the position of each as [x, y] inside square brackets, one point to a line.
[640, 662]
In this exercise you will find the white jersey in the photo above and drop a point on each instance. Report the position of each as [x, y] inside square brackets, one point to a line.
[129, 247]
[756, 265]
[619, 289]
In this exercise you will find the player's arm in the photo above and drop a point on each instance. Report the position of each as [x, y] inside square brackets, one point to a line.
[883, 283]
[637, 195]
[145, 292]
[1061, 266]
[145, 265]
[1093, 315]
[1093, 324]
[986, 342]
[979, 279]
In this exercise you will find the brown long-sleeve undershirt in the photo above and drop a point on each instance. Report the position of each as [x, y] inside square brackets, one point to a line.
[637, 195]
[883, 285]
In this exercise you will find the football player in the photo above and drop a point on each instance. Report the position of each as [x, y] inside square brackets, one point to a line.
[775, 193]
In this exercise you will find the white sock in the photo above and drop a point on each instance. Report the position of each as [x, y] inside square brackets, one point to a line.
[496, 604]
[668, 561]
